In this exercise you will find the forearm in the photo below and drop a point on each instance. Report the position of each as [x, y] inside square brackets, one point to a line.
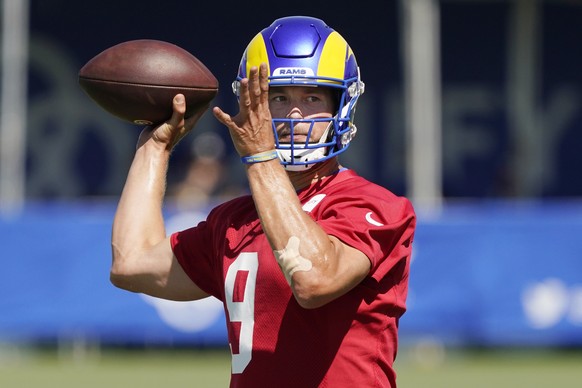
[138, 222]
[280, 211]
[282, 217]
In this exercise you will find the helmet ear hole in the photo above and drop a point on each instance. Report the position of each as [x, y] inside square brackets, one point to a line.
[337, 100]
[336, 97]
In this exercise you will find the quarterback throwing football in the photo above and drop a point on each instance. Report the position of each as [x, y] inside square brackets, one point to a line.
[313, 266]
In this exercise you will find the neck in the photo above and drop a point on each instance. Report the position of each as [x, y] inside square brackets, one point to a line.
[301, 179]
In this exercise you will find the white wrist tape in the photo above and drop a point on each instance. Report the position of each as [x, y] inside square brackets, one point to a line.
[290, 260]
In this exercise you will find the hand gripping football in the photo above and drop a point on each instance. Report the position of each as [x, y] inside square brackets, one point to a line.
[137, 81]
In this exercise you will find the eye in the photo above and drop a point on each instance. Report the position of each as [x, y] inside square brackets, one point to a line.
[278, 98]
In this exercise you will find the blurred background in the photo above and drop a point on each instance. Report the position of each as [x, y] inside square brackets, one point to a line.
[472, 109]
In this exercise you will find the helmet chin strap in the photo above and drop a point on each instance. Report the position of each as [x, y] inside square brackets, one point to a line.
[304, 156]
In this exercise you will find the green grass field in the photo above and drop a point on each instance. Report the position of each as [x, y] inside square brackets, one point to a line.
[99, 368]
[501, 368]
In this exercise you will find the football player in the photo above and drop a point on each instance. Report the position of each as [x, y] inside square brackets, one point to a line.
[313, 266]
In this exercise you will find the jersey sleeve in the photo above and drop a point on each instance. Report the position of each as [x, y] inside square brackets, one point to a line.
[193, 248]
[381, 228]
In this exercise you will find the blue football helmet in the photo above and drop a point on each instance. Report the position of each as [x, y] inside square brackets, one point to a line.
[302, 50]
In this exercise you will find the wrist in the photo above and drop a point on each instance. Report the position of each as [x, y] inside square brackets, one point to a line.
[260, 157]
[151, 145]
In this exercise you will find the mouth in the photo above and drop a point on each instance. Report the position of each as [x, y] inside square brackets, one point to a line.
[285, 137]
[299, 133]
[295, 135]
[298, 139]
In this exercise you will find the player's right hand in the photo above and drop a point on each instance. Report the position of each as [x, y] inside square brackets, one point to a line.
[169, 133]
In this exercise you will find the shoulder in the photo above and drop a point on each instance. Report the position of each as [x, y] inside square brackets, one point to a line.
[232, 208]
[351, 189]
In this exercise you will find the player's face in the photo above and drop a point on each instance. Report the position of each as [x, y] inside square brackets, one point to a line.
[301, 102]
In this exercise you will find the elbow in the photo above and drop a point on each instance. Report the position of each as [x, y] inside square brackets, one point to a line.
[121, 278]
[310, 295]
[309, 303]
[118, 280]
[123, 273]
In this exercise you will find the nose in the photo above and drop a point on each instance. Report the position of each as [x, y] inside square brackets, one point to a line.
[295, 113]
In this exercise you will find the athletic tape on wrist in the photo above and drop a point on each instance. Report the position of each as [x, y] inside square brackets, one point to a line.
[260, 157]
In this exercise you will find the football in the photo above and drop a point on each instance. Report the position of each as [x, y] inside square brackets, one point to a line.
[137, 80]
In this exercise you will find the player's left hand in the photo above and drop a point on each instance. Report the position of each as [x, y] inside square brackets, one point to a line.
[251, 129]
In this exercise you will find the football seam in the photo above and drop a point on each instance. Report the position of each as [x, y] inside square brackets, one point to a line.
[148, 85]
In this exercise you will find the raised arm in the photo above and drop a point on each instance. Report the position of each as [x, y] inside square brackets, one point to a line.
[143, 260]
[318, 267]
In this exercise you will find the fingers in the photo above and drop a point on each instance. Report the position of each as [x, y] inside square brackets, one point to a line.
[178, 119]
[264, 83]
[179, 110]
[254, 86]
[259, 84]
[221, 116]
[170, 132]
[254, 90]
[250, 128]
[244, 96]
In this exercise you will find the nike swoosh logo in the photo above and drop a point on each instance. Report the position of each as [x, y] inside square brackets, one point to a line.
[371, 220]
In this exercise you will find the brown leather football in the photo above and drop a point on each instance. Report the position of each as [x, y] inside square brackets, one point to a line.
[137, 80]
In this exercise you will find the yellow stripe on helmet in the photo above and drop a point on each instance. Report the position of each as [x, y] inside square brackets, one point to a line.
[256, 53]
[332, 62]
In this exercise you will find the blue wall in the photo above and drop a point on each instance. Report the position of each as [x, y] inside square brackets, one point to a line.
[498, 274]
[482, 274]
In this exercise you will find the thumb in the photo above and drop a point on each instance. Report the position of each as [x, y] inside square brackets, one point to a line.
[178, 110]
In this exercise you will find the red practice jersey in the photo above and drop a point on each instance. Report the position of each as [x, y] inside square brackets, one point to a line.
[349, 342]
